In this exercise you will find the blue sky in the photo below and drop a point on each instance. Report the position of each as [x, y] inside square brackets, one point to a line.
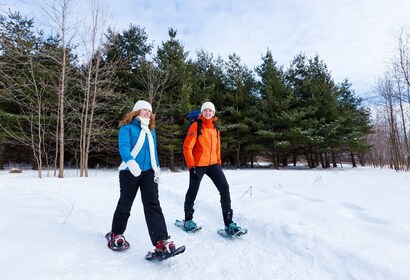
[355, 38]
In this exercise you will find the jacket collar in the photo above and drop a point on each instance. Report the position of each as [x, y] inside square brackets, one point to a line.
[209, 122]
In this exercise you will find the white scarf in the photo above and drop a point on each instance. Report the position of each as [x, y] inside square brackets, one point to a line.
[137, 148]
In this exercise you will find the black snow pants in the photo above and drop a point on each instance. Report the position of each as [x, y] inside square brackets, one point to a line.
[218, 178]
[154, 217]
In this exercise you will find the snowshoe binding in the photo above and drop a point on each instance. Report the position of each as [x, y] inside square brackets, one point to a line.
[188, 226]
[163, 250]
[117, 242]
[232, 231]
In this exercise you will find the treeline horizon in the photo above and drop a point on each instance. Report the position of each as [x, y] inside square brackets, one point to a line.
[57, 110]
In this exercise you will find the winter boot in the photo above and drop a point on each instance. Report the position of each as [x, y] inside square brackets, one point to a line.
[227, 217]
[189, 225]
[164, 247]
[116, 242]
[189, 214]
[233, 229]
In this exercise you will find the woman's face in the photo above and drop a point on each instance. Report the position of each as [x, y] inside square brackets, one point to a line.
[144, 113]
[208, 113]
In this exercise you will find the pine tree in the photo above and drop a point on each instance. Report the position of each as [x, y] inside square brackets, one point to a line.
[354, 124]
[316, 103]
[172, 58]
[274, 111]
[239, 102]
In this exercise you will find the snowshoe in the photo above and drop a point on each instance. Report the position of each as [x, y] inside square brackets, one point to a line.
[188, 226]
[164, 250]
[232, 231]
[117, 242]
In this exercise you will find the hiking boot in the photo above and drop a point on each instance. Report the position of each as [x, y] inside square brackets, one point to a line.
[227, 215]
[233, 229]
[190, 225]
[189, 214]
[117, 241]
[164, 247]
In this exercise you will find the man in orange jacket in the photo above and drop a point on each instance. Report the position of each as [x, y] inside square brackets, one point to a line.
[203, 156]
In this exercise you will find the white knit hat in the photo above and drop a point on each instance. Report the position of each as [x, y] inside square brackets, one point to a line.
[141, 104]
[208, 105]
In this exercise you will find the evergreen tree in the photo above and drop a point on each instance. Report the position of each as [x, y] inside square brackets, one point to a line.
[354, 122]
[208, 80]
[172, 58]
[274, 110]
[316, 103]
[126, 50]
[238, 107]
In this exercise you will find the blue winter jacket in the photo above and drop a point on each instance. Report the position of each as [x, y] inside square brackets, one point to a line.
[127, 138]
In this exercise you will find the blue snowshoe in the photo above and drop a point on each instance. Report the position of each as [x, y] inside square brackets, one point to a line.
[188, 226]
[232, 231]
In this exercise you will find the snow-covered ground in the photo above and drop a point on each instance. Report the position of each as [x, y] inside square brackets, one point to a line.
[351, 223]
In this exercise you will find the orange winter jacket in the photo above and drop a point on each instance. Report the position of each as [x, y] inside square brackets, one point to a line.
[205, 149]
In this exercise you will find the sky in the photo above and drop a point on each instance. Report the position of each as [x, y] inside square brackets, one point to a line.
[355, 38]
[336, 224]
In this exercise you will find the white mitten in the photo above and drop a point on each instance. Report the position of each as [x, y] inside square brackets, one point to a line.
[134, 168]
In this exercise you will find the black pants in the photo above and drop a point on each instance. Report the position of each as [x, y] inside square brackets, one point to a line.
[150, 199]
[218, 178]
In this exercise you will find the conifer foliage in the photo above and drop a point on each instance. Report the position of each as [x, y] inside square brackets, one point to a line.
[280, 115]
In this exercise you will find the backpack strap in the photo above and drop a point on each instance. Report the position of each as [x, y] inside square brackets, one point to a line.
[199, 124]
[216, 125]
[217, 128]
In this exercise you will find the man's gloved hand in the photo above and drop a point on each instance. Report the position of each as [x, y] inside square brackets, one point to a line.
[192, 173]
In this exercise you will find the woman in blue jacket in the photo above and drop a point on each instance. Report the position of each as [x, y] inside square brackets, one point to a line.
[139, 170]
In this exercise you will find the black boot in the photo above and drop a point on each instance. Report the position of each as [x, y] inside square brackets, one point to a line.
[232, 228]
[227, 217]
[189, 215]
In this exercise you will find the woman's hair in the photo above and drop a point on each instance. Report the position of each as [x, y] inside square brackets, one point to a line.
[131, 115]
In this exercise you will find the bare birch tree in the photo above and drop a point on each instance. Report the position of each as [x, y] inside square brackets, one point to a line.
[386, 90]
[391, 139]
[94, 78]
[401, 66]
[58, 12]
